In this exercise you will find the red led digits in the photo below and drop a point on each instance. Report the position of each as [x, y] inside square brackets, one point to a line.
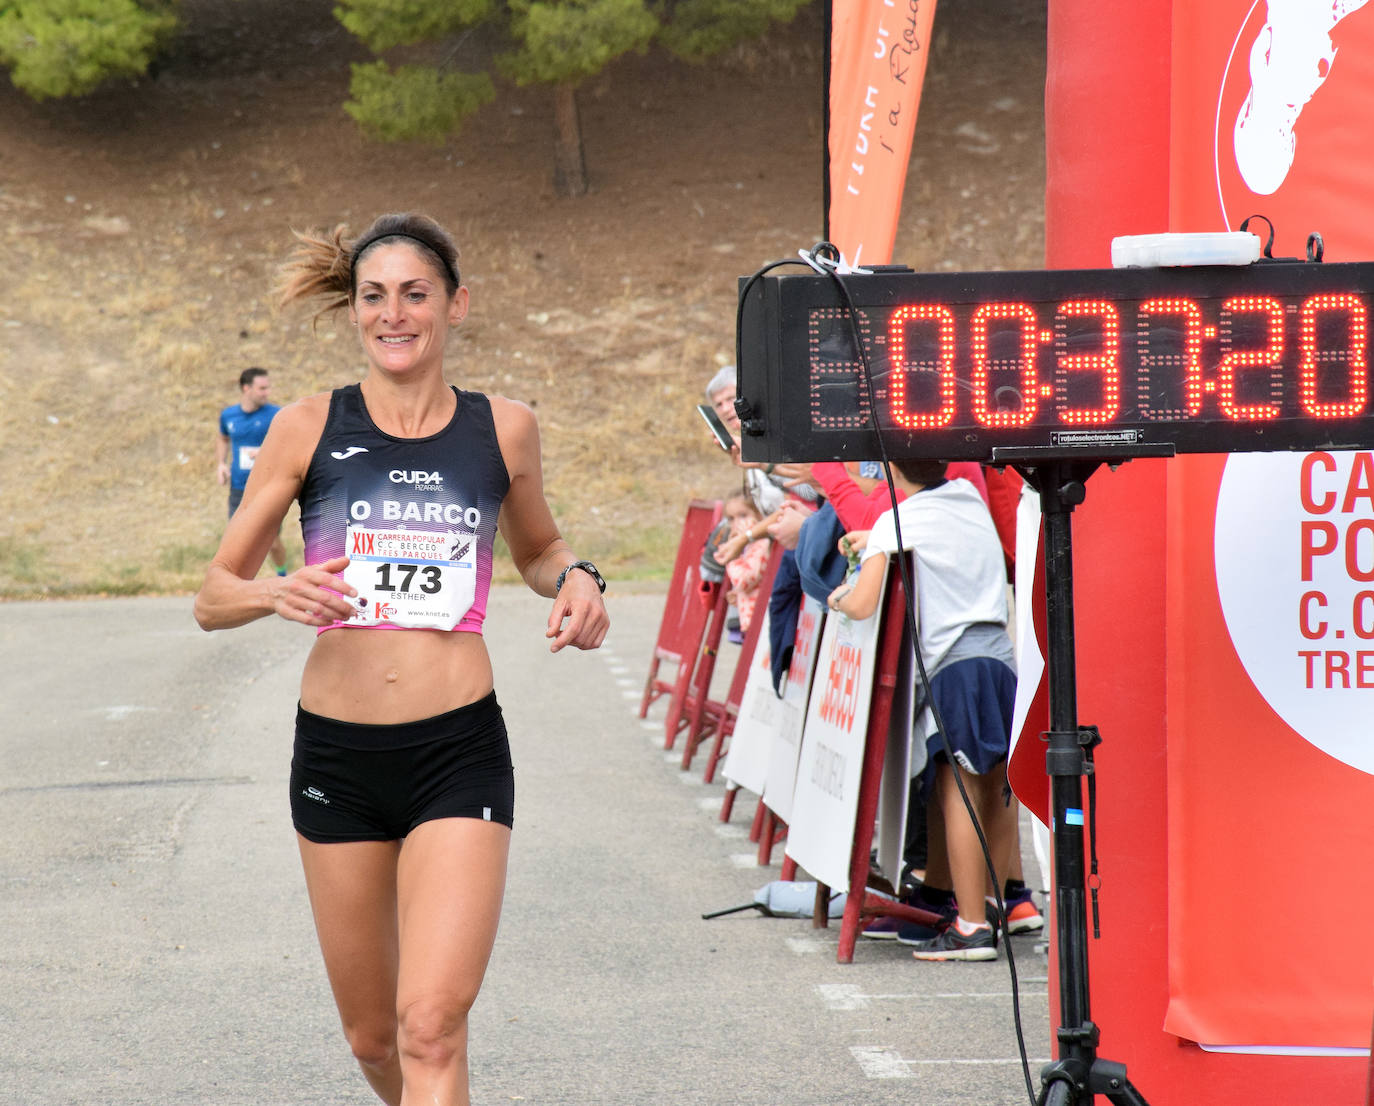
[1271, 357]
[943, 317]
[1027, 388]
[1357, 370]
[1106, 361]
[1191, 355]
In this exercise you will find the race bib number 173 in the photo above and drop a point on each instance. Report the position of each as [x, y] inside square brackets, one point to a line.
[418, 579]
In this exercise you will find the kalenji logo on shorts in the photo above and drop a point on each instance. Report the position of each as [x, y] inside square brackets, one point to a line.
[316, 794]
[417, 478]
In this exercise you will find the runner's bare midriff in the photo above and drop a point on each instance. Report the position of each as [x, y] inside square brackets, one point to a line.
[387, 676]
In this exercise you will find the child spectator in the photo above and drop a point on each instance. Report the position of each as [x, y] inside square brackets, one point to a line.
[745, 571]
[961, 612]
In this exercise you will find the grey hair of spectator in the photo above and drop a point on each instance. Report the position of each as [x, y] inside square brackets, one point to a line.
[719, 381]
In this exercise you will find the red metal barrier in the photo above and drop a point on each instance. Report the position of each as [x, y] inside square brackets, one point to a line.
[689, 713]
[685, 619]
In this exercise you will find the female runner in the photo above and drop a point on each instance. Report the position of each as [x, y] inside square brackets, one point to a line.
[401, 782]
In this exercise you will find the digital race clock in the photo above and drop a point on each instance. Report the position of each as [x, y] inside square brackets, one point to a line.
[1093, 363]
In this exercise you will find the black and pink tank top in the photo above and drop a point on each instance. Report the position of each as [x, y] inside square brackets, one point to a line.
[415, 516]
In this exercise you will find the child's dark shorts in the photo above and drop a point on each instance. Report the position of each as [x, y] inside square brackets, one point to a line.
[354, 782]
[976, 698]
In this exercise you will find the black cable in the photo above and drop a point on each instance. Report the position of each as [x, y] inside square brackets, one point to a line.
[829, 251]
[744, 294]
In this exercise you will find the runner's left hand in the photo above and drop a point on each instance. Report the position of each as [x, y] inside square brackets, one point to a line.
[579, 615]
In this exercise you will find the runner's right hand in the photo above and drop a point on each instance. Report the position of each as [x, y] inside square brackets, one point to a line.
[315, 594]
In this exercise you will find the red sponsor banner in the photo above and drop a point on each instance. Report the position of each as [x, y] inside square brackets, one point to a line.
[1270, 670]
[1188, 728]
[1270, 612]
[877, 66]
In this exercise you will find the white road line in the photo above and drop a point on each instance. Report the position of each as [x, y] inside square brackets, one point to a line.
[991, 1061]
[880, 1062]
[885, 1062]
[959, 995]
[842, 996]
[729, 832]
[709, 803]
[809, 946]
[848, 996]
[120, 712]
[745, 860]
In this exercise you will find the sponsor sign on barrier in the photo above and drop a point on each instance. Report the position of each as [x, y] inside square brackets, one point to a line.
[760, 712]
[820, 836]
[787, 734]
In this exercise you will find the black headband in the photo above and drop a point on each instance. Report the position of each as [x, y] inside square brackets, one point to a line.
[358, 251]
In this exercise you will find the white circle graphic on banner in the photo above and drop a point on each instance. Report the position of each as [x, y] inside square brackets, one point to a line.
[1294, 549]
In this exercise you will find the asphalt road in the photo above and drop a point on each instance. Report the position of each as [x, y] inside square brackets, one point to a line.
[158, 949]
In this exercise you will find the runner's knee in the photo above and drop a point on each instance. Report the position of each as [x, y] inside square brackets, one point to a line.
[373, 1044]
[433, 1029]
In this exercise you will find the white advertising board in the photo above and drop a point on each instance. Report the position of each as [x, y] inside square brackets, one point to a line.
[751, 742]
[786, 741]
[820, 831]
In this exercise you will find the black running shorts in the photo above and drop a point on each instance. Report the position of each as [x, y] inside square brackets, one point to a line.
[354, 782]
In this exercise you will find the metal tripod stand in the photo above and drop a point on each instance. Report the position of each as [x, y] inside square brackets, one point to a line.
[1079, 1074]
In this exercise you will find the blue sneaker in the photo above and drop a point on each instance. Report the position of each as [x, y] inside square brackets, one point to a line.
[884, 928]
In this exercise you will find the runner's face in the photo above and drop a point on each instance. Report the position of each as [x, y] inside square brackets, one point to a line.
[255, 393]
[724, 403]
[402, 309]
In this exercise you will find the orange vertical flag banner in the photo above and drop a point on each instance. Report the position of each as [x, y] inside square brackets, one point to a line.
[877, 66]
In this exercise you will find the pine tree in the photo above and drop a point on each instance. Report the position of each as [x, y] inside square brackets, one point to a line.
[558, 43]
[70, 47]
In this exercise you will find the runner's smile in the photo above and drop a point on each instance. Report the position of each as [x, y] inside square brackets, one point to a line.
[401, 309]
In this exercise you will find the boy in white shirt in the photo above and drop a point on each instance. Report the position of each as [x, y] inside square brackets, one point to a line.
[961, 610]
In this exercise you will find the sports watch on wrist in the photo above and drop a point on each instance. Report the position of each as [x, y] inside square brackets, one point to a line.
[585, 566]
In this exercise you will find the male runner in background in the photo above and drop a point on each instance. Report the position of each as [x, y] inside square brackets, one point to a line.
[242, 428]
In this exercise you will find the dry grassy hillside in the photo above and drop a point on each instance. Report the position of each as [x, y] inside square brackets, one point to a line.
[141, 226]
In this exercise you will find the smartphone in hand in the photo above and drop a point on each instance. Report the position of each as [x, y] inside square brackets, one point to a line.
[717, 427]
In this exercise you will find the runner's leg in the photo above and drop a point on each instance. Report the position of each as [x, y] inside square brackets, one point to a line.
[353, 895]
[450, 882]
